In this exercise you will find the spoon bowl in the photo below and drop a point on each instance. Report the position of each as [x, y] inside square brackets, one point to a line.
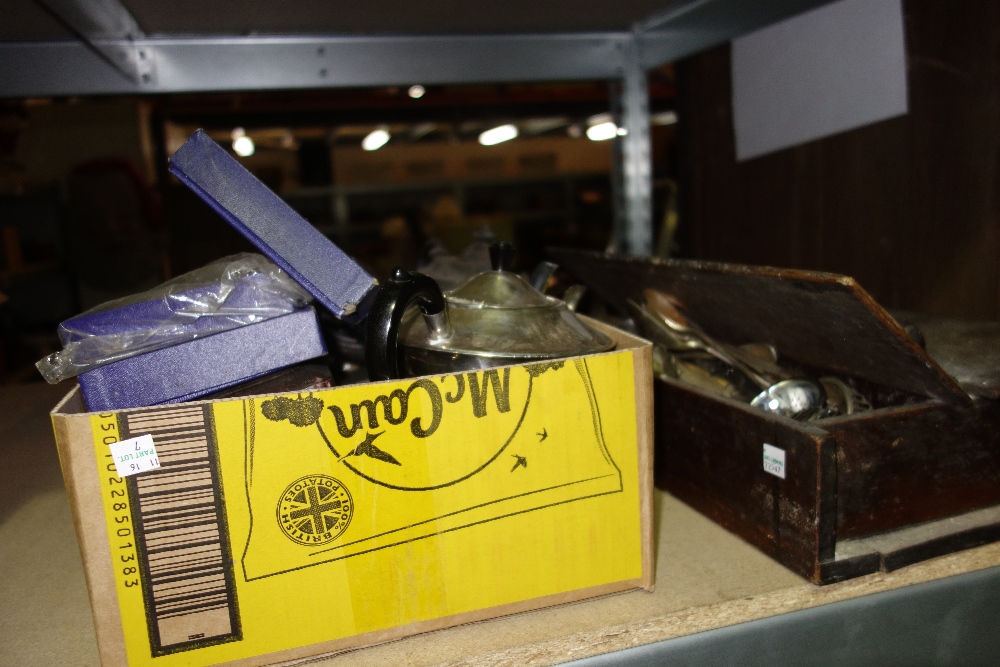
[798, 399]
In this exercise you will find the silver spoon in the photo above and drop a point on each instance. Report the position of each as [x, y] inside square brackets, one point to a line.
[690, 336]
[760, 357]
[797, 398]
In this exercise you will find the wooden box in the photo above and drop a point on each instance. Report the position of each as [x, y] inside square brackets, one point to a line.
[915, 478]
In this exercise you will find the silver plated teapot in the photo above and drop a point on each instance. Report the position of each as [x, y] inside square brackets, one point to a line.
[494, 319]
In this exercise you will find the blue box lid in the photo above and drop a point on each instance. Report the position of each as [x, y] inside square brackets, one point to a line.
[288, 239]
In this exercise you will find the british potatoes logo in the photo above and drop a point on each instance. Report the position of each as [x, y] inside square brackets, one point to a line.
[315, 510]
[376, 466]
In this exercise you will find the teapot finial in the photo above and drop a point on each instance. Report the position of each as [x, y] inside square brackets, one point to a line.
[501, 255]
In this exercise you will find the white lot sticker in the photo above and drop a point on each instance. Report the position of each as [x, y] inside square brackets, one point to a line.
[774, 460]
[135, 455]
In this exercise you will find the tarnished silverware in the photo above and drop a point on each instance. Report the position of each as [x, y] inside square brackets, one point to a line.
[798, 398]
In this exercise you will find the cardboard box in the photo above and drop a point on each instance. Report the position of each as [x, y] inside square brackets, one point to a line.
[917, 477]
[285, 526]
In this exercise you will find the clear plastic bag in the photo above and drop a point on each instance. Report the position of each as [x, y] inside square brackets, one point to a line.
[228, 293]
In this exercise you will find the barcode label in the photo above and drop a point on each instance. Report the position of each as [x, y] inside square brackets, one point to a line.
[181, 536]
[774, 460]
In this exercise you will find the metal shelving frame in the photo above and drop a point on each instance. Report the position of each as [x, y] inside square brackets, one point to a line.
[113, 56]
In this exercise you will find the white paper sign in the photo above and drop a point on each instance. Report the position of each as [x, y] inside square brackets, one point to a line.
[135, 455]
[819, 73]
[774, 460]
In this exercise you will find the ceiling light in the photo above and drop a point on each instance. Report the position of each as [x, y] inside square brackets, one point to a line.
[416, 92]
[375, 140]
[602, 131]
[498, 135]
[243, 146]
[237, 133]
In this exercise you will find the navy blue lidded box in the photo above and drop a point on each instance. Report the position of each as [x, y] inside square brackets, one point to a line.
[206, 365]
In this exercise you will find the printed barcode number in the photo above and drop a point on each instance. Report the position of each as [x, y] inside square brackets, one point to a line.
[180, 533]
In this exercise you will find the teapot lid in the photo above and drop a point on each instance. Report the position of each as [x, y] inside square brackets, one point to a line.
[499, 288]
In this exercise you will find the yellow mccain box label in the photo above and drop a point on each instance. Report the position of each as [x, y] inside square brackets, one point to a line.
[284, 521]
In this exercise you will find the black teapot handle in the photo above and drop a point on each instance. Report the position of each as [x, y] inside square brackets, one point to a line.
[382, 354]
